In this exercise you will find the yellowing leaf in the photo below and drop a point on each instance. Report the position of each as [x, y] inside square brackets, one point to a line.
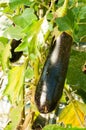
[74, 114]
[15, 83]
[62, 11]
[15, 116]
[5, 56]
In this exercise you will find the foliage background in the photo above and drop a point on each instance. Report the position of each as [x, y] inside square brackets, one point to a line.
[36, 22]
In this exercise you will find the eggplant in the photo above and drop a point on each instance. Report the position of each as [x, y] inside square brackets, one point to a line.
[50, 85]
[15, 55]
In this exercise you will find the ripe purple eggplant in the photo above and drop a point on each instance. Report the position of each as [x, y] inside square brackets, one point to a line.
[15, 55]
[50, 86]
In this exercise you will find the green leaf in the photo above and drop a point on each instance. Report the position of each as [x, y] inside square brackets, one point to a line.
[66, 22]
[35, 37]
[14, 3]
[82, 12]
[13, 33]
[79, 30]
[1, 50]
[75, 77]
[29, 73]
[26, 18]
[50, 16]
[15, 83]
[3, 40]
[82, 1]
[52, 127]
[3, 43]
[74, 22]
[56, 127]
[31, 34]
[5, 57]
[82, 30]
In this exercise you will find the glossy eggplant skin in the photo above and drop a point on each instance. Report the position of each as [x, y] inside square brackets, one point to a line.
[50, 86]
[15, 55]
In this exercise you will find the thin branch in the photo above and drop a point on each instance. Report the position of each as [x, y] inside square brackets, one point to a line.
[28, 120]
[52, 3]
[42, 4]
